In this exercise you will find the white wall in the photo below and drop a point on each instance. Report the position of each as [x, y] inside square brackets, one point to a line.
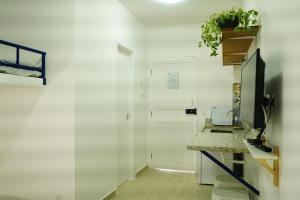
[100, 25]
[37, 123]
[214, 80]
[279, 41]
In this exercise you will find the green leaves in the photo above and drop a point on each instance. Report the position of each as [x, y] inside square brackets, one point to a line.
[211, 33]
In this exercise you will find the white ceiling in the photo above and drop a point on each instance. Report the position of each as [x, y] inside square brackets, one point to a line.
[154, 14]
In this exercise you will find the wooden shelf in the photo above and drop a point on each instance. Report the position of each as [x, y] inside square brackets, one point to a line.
[259, 154]
[262, 157]
[235, 45]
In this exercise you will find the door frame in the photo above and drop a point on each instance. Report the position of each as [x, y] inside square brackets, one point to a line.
[120, 48]
[150, 121]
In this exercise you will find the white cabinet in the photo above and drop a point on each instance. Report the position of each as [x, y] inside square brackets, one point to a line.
[209, 170]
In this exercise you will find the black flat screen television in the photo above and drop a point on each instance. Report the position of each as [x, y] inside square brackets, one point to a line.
[252, 92]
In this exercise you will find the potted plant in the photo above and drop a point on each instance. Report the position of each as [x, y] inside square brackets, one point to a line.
[239, 19]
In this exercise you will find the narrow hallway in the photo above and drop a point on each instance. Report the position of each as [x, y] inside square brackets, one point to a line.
[154, 184]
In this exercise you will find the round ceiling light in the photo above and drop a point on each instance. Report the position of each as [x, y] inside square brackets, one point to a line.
[170, 1]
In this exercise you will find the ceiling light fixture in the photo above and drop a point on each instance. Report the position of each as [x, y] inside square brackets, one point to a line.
[170, 1]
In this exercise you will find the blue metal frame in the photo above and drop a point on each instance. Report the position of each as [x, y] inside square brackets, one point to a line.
[20, 66]
[229, 171]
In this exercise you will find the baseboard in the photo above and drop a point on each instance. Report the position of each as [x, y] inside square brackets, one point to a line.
[141, 170]
[113, 193]
[110, 195]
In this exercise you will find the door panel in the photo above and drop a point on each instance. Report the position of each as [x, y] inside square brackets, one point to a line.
[173, 89]
[169, 146]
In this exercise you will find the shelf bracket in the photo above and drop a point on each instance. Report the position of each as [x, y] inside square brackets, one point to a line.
[274, 170]
[224, 160]
[232, 173]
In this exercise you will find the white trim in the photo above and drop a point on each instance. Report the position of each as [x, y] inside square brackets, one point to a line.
[177, 171]
[109, 193]
[140, 169]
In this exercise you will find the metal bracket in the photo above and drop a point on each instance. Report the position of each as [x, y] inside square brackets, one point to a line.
[229, 171]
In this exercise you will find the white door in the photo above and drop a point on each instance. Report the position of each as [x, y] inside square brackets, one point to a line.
[173, 89]
[124, 117]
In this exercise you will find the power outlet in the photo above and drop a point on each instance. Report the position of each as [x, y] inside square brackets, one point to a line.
[59, 197]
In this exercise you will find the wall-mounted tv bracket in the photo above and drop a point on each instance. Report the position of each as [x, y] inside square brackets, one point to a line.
[232, 173]
[269, 103]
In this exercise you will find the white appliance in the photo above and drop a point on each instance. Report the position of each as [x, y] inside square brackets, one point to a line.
[209, 170]
[221, 116]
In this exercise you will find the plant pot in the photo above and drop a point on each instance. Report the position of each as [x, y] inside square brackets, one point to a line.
[228, 23]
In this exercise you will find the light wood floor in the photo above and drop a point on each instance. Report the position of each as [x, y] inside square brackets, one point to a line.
[157, 185]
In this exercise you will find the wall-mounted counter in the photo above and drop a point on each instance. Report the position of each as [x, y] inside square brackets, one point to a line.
[223, 142]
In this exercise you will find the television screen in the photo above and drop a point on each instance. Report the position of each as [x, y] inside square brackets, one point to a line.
[252, 91]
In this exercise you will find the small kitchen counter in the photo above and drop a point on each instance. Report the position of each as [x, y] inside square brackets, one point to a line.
[210, 143]
[218, 141]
